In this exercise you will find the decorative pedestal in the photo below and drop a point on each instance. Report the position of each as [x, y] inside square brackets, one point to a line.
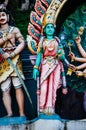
[13, 123]
[56, 123]
[12, 120]
[14, 127]
[44, 122]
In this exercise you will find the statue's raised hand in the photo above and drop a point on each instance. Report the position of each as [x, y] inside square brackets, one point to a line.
[71, 56]
[78, 40]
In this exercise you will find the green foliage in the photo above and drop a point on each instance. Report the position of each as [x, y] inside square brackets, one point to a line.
[21, 19]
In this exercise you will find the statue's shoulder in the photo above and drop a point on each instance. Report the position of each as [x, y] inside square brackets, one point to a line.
[57, 39]
[15, 29]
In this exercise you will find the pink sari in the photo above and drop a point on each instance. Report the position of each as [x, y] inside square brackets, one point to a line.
[51, 79]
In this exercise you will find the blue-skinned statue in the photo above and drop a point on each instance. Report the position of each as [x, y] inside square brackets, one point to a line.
[48, 63]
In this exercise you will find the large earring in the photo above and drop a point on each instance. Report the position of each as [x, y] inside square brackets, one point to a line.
[54, 26]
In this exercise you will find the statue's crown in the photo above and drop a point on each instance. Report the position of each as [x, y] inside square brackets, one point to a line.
[47, 18]
[51, 13]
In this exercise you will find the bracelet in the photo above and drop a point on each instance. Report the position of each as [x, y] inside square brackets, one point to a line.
[35, 67]
[78, 45]
[12, 54]
[73, 59]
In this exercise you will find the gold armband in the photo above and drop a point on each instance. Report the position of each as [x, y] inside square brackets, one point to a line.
[12, 55]
[38, 49]
[35, 67]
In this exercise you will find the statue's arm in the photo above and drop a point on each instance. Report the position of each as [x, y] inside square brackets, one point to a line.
[37, 63]
[80, 59]
[80, 48]
[20, 40]
[82, 66]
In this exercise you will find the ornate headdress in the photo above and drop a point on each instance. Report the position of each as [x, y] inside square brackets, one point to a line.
[47, 18]
[50, 15]
[46, 12]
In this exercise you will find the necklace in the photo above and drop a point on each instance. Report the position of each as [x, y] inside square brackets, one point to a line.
[6, 30]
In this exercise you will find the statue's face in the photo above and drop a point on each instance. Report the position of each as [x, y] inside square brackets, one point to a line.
[3, 18]
[49, 29]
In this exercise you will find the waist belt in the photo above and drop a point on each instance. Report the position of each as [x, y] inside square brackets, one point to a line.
[50, 58]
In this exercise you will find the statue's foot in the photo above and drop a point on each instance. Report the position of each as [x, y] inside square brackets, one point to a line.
[8, 115]
[47, 111]
[41, 110]
[22, 114]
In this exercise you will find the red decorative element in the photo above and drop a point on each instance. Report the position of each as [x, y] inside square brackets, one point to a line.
[32, 32]
[45, 2]
[34, 14]
[1, 58]
[42, 9]
[35, 28]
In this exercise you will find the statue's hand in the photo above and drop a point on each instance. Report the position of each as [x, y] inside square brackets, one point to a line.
[6, 55]
[71, 56]
[72, 67]
[79, 73]
[64, 91]
[78, 40]
[35, 73]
